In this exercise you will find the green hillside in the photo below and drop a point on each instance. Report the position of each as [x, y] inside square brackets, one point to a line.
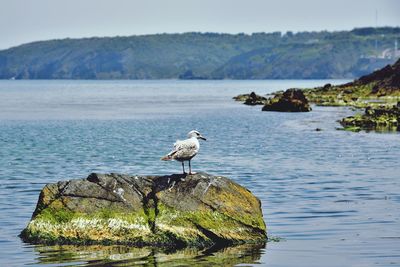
[304, 55]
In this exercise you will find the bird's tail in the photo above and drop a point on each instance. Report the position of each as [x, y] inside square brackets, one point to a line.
[166, 157]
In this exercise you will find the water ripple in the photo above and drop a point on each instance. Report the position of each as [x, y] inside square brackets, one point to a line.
[334, 196]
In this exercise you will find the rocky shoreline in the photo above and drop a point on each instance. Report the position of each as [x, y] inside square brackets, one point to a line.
[292, 100]
[382, 119]
[198, 210]
[377, 93]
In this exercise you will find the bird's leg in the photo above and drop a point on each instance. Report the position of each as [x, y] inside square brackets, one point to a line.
[190, 169]
[184, 173]
[183, 167]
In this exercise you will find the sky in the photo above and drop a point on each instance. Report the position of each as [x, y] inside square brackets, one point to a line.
[23, 21]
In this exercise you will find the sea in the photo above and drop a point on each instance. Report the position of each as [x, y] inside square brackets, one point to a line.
[329, 197]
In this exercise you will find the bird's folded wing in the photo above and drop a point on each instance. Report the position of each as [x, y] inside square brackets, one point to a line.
[184, 149]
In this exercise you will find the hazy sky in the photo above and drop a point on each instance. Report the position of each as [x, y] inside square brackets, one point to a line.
[23, 21]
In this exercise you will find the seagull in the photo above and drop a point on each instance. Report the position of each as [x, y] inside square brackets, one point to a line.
[185, 150]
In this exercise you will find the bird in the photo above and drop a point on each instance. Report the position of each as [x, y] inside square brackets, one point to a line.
[185, 150]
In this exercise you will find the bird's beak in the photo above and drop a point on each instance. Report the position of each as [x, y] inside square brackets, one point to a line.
[203, 138]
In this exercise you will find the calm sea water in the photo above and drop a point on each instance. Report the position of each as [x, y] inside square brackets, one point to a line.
[332, 196]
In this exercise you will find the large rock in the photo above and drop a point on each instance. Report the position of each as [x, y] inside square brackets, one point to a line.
[201, 210]
[292, 100]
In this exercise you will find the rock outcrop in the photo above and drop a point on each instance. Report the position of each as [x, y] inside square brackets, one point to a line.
[385, 81]
[292, 100]
[381, 118]
[200, 210]
[241, 98]
[382, 85]
[251, 99]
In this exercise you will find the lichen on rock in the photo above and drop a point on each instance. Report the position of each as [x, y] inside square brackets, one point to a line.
[200, 211]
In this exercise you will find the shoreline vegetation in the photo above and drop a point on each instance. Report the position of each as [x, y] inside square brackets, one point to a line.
[195, 55]
[377, 94]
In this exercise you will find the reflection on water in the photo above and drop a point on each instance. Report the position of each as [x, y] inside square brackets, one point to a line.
[127, 256]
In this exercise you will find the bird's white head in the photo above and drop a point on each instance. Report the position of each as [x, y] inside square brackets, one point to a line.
[196, 134]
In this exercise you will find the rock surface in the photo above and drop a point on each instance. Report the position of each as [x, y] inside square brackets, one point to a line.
[255, 99]
[381, 118]
[241, 98]
[382, 85]
[292, 100]
[201, 210]
[385, 81]
[251, 99]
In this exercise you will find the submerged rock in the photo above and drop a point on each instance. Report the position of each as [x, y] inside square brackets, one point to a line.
[381, 118]
[292, 100]
[241, 98]
[255, 99]
[201, 210]
[251, 99]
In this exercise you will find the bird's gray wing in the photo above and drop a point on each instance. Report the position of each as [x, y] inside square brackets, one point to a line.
[185, 149]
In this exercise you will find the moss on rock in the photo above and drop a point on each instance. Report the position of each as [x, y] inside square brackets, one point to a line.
[381, 118]
[251, 99]
[146, 210]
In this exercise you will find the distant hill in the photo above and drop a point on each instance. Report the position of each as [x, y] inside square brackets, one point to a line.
[303, 55]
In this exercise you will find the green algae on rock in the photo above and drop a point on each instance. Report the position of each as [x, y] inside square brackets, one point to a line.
[251, 99]
[379, 87]
[381, 118]
[201, 210]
